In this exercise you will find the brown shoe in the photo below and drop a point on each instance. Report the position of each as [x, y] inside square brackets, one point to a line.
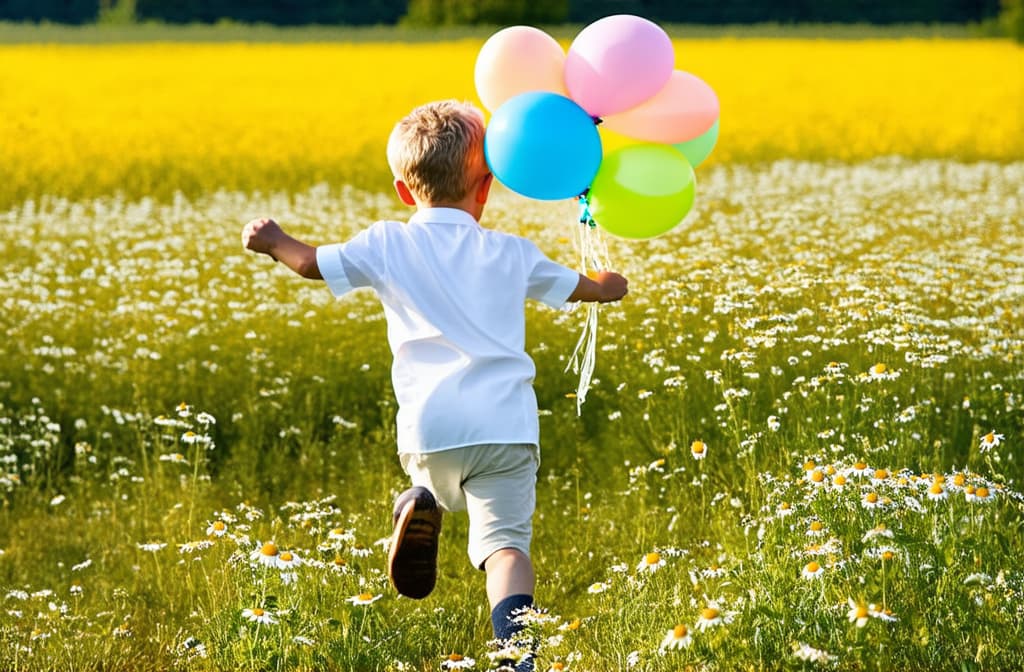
[412, 558]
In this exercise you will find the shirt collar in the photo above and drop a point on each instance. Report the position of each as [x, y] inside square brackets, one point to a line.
[442, 216]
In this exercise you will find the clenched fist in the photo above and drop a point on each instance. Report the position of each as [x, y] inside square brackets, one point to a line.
[261, 235]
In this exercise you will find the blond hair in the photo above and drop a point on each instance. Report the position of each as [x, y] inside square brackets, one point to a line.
[437, 150]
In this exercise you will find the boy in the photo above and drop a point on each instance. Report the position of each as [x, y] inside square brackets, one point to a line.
[453, 295]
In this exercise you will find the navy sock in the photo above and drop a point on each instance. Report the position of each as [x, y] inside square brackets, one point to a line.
[505, 627]
[501, 615]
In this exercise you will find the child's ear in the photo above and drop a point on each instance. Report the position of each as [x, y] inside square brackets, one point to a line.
[484, 188]
[402, 189]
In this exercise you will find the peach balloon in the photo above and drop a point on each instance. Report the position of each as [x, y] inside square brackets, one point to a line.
[517, 60]
[685, 108]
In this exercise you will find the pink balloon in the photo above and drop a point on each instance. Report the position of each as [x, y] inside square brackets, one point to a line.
[685, 108]
[516, 60]
[617, 63]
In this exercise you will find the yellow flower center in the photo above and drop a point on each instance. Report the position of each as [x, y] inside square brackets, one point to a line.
[219, 525]
[697, 447]
[879, 369]
[339, 561]
[817, 476]
[981, 493]
[365, 597]
[970, 490]
[812, 567]
[784, 506]
[938, 478]
[860, 466]
[871, 497]
[454, 657]
[558, 665]
[652, 558]
[888, 555]
[959, 480]
[287, 557]
[936, 489]
[839, 480]
[881, 474]
[808, 465]
[862, 611]
[830, 470]
[709, 613]
[989, 438]
[258, 612]
[269, 549]
[816, 526]
[679, 631]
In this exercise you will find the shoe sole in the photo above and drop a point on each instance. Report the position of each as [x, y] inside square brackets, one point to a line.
[412, 558]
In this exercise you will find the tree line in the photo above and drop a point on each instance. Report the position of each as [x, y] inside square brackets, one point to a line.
[505, 12]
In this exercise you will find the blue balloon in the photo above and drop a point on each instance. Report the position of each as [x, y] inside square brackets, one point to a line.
[543, 145]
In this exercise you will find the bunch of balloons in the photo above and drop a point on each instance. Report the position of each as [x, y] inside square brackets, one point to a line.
[546, 104]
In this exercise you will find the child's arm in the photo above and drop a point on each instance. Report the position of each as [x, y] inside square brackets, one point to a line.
[266, 237]
[604, 287]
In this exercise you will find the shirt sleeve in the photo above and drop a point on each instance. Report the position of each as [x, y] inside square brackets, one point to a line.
[548, 282]
[359, 262]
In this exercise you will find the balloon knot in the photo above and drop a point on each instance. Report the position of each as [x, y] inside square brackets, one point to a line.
[597, 121]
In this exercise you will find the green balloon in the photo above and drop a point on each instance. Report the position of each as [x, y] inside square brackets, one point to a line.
[642, 191]
[697, 150]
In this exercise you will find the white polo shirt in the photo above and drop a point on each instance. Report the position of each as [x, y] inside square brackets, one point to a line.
[453, 295]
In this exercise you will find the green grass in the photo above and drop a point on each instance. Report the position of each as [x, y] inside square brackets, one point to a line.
[226, 31]
[757, 328]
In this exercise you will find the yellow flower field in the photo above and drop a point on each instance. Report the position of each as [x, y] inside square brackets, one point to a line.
[150, 119]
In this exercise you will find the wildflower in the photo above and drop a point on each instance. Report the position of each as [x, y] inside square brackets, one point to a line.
[816, 477]
[456, 661]
[870, 500]
[193, 546]
[773, 423]
[360, 551]
[258, 615]
[882, 372]
[810, 654]
[82, 565]
[266, 554]
[879, 530]
[216, 529]
[860, 468]
[882, 613]
[176, 458]
[206, 419]
[304, 641]
[880, 476]
[184, 410]
[712, 616]
[990, 440]
[858, 613]
[784, 510]
[288, 560]
[838, 481]
[676, 638]
[983, 495]
[815, 529]
[363, 599]
[122, 631]
[936, 492]
[152, 546]
[651, 562]
[812, 570]
[191, 437]
[574, 624]
[342, 535]
[192, 648]
[699, 450]
[58, 500]
[598, 587]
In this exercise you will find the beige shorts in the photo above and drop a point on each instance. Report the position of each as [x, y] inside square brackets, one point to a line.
[495, 483]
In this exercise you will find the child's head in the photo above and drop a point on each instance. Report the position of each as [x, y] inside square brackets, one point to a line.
[437, 150]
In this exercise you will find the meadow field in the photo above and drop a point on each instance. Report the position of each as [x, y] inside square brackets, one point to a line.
[801, 448]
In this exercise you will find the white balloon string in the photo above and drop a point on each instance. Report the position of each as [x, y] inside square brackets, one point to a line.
[593, 255]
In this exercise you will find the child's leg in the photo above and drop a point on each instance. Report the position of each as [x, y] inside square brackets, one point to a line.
[509, 572]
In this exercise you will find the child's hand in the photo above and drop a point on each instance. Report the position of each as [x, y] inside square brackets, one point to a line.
[613, 286]
[260, 235]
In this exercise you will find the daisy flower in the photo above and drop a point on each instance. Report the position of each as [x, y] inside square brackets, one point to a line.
[870, 500]
[860, 468]
[712, 616]
[936, 492]
[784, 510]
[815, 529]
[858, 613]
[288, 560]
[176, 458]
[773, 423]
[810, 654]
[216, 529]
[363, 599]
[676, 638]
[880, 476]
[812, 570]
[990, 440]
[152, 546]
[651, 562]
[699, 450]
[266, 554]
[882, 613]
[879, 530]
[457, 661]
[816, 477]
[258, 615]
[983, 495]
[598, 587]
